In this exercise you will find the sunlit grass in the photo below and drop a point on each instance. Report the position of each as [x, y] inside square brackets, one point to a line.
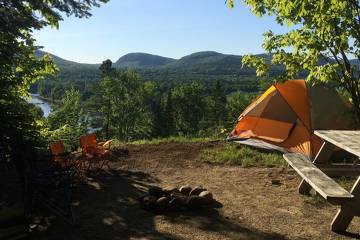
[174, 139]
[235, 154]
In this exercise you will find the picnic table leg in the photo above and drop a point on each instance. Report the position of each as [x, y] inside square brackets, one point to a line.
[304, 188]
[347, 212]
[322, 156]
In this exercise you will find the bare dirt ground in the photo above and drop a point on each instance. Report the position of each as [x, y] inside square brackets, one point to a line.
[253, 208]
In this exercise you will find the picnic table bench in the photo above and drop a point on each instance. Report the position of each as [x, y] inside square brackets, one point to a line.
[315, 174]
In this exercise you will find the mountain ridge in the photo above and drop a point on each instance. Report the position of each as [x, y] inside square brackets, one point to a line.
[61, 62]
[139, 59]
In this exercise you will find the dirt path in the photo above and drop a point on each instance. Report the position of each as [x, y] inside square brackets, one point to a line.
[254, 208]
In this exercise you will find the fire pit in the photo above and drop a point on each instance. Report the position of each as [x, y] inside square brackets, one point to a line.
[177, 199]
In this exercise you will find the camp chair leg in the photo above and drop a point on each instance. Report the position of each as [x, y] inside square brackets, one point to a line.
[106, 164]
[323, 156]
[102, 164]
[348, 211]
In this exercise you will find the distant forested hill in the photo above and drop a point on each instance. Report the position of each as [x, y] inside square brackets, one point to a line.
[205, 67]
[142, 60]
[200, 65]
[72, 71]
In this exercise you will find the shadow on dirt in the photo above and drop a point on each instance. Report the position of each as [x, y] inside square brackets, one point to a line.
[209, 220]
[107, 208]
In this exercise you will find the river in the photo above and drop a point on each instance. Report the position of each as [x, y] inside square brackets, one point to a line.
[44, 105]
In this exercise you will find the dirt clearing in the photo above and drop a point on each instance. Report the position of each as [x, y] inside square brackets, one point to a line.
[259, 203]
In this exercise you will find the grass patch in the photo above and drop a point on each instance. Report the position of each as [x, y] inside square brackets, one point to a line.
[175, 139]
[315, 199]
[244, 156]
[346, 182]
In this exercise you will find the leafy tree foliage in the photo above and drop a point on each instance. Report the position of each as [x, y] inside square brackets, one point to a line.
[189, 107]
[236, 103]
[19, 68]
[169, 116]
[326, 35]
[68, 122]
[153, 103]
[104, 99]
[126, 114]
[217, 105]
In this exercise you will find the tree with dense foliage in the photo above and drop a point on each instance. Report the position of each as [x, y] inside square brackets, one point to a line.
[169, 115]
[68, 121]
[217, 105]
[104, 99]
[189, 106]
[129, 115]
[236, 103]
[153, 104]
[325, 36]
[19, 67]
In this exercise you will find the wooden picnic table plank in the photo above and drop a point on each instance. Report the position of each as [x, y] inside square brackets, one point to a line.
[318, 180]
[348, 140]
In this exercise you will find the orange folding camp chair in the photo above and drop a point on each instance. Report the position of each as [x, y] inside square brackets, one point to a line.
[95, 153]
[58, 153]
[62, 158]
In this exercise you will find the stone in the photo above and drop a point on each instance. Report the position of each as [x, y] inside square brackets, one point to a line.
[275, 182]
[162, 203]
[176, 195]
[176, 204]
[185, 190]
[156, 191]
[206, 194]
[148, 202]
[196, 191]
[195, 202]
[169, 190]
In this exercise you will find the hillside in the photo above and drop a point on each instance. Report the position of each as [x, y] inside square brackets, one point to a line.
[70, 71]
[140, 60]
[205, 67]
[65, 64]
[200, 65]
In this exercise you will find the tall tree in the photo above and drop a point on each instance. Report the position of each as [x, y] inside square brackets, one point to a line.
[189, 104]
[152, 101]
[129, 116]
[104, 99]
[325, 38]
[169, 115]
[217, 105]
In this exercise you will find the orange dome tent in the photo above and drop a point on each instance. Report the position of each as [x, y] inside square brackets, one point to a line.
[287, 114]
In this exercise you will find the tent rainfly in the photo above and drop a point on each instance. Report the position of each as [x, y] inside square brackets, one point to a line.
[287, 114]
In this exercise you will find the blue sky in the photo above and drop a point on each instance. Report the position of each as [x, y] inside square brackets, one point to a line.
[171, 28]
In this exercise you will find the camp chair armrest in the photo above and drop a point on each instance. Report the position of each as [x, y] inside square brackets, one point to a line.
[104, 144]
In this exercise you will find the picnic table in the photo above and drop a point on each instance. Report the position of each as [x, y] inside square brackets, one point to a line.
[316, 174]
